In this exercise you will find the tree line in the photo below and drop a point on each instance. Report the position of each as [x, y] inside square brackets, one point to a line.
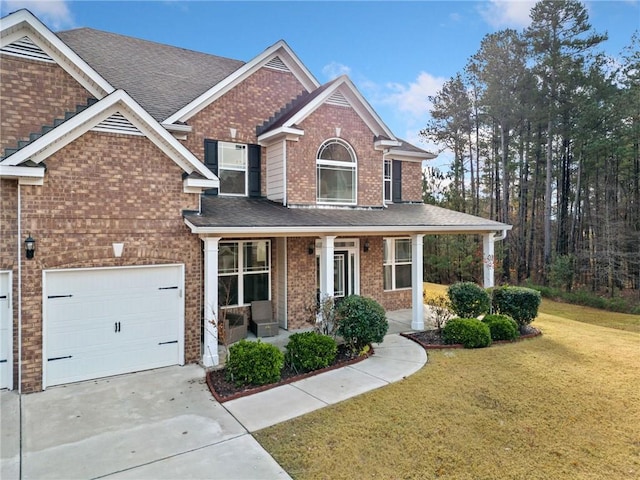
[544, 129]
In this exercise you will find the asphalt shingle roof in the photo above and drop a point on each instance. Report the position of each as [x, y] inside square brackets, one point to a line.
[161, 78]
[230, 212]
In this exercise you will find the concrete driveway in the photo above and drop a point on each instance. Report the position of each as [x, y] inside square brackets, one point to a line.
[157, 424]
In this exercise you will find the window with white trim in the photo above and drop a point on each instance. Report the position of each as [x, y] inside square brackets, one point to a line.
[387, 181]
[336, 173]
[244, 272]
[397, 263]
[232, 168]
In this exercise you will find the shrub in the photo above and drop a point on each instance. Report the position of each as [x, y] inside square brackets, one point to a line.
[310, 351]
[441, 308]
[501, 327]
[254, 363]
[470, 332]
[361, 321]
[468, 300]
[519, 303]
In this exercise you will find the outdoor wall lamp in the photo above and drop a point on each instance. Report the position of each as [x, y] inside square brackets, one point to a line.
[312, 248]
[366, 245]
[29, 247]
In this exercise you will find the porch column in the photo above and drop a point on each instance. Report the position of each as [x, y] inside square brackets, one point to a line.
[488, 240]
[417, 303]
[326, 267]
[210, 356]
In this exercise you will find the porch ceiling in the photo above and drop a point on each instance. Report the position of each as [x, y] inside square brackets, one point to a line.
[252, 216]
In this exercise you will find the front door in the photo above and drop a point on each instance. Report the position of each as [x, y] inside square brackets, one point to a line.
[345, 269]
[341, 283]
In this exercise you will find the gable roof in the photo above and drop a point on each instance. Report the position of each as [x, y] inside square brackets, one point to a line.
[278, 51]
[120, 105]
[23, 23]
[161, 78]
[307, 104]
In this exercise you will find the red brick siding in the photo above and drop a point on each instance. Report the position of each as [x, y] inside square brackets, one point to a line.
[301, 281]
[318, 127]
[411, 182]
[33, 94]
[100, 189]
[245, 107]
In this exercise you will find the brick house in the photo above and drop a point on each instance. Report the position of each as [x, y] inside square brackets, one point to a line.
[156, 180]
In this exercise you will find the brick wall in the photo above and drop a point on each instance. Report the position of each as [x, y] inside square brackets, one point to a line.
[98, 190]
[411, 182]
[301, 281]
[318, 127]
[33, 94]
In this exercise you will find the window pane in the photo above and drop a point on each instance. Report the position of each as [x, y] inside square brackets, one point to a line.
[336, 184]
[387, 250]
[388, 282]
[403, 276]
[387, 190]
[232, 181]
[256, 256]
[403, 250]
[228, 258]
[335, 151]
[232, 155]
[256, 287]
[228, 290]
[338, 276]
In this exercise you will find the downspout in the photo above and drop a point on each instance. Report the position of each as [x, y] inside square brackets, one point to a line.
[500, 236]
[284, 172]
[19, 292]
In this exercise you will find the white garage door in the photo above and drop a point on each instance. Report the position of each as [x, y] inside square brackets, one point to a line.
[5, 331]
[108, 321]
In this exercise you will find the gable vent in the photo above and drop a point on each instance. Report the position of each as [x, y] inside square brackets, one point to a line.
[338, 99]
[25, 48]
[277, 64]
[117, 123]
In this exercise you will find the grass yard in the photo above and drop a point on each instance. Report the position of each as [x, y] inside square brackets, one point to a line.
[565, 405]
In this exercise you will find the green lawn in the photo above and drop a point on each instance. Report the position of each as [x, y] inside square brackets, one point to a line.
[565, 405]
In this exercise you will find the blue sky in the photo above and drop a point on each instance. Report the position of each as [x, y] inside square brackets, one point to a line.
[397, 53]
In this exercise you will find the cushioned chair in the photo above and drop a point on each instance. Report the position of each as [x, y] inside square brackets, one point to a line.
[235, 327]
[262, 323]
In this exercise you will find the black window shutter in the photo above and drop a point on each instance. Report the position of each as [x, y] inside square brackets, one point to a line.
[396, 180]
[255, 151]
[211, 161]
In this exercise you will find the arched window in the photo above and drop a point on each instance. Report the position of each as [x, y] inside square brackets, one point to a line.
[336, 173]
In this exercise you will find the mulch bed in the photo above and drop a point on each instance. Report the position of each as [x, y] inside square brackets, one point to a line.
[432, 339]
[223, 391]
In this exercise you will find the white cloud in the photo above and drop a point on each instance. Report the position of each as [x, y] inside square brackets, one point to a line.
[507, 13]
[54, 13]
[412, 98]
[335, 69]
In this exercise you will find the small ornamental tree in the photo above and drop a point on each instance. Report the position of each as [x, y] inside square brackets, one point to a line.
[361, 321]
[468, 300]
[440, 307]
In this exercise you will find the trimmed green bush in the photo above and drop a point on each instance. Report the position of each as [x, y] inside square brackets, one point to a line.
[470, 332]
[309, 351]
[501, 327]
[519, 303]
[361, 321]
[468, 300]
[254, 363]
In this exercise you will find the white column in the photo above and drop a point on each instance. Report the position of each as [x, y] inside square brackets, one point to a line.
[210, 356]
[326, 267]
[488, 259]
[417, 303]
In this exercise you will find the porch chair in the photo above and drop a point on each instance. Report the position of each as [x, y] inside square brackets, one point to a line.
[235, 327]
[262, 323]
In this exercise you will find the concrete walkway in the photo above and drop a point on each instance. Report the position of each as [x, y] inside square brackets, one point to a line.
[165, 424]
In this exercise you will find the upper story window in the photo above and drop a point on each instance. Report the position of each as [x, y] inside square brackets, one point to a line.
[392, 181]
[237, 165]
[387, 180]
[336, 173]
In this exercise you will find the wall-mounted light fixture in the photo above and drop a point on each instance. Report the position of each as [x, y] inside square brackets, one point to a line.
[29, 247]
[312, 248]
[366, 245]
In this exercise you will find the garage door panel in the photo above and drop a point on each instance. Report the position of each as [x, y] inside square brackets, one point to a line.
[6, 335]
[104, 322]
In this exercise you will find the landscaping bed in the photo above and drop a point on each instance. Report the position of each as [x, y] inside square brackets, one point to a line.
[223, 390]
[432, 339]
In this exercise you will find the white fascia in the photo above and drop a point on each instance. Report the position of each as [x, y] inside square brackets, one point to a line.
[24, 175]
[215, 92]
[386, 144]
[197, 185]
[376, 230]
[24, 23]
[282, 133]
[118, 101]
